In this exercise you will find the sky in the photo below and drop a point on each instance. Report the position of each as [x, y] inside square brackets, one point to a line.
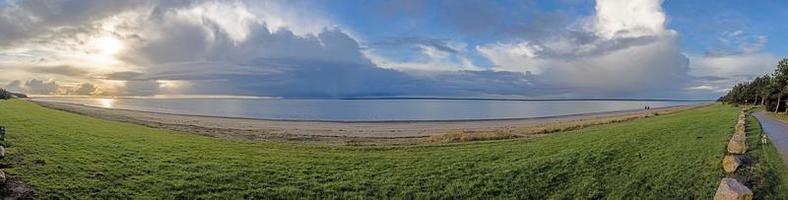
[436, 48]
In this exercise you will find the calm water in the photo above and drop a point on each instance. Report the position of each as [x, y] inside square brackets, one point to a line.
[367, 110]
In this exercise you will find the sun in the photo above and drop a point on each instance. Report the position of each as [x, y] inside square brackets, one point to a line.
[102, 50]
[108, 46]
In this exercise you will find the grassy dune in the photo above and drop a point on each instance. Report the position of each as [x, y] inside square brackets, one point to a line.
[675, 156]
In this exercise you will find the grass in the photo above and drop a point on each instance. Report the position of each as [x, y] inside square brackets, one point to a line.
[780, 116]
[766, 173]
[468, 136]
[532, 131]
[64, 155]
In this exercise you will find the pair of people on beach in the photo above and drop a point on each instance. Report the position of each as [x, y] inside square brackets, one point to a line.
[648, 108]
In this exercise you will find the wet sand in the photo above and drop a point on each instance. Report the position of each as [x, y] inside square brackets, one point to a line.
[326, 131]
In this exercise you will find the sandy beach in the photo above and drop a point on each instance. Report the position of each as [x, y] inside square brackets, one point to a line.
[406, 131]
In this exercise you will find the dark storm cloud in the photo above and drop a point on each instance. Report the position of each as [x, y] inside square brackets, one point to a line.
[329, 64]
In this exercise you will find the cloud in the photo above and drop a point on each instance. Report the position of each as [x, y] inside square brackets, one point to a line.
[628, 18]
[63, 70]
[748, 65]
[701, 87]
[427, 58]
[125, 75]
[737, 42]
[623, 50]
[85, 89]
[437, 44]
[721, 72]
[140, 88]
[26, 19]
[35, 87]
[272, 48]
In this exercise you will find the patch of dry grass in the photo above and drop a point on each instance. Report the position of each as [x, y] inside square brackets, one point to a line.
[545, 128]
[467, 136]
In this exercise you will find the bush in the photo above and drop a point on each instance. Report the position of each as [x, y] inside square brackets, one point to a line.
[5, 94]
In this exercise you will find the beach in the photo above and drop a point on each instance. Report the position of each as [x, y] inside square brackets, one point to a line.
[359, 132]
[673, 155]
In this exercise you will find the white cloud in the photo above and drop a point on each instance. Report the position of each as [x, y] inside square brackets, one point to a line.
[518, 57]
[733, 65]
[721, 72]
[623, 49]
[701, 87]
[435, 60]
[233, 19]
[629, 18]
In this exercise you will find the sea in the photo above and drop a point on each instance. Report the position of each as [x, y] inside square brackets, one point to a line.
[368, 110]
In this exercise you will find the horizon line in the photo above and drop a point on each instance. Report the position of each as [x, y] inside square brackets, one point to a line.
[195, 96]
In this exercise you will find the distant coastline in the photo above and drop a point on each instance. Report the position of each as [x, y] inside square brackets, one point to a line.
[370, 98]
[519, 99]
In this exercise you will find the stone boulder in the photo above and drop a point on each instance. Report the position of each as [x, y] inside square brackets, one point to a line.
[731, 189]
[2, 177]
[731, 162]
[737, 145]
[741, 128]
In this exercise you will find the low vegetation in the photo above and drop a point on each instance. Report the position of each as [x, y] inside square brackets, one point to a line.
[5, 94]
[778, 116]
[538, 130]
[764, 172]
[64, 155]
[468, 136]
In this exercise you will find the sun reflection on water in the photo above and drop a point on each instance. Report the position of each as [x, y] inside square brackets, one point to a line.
[106, 103]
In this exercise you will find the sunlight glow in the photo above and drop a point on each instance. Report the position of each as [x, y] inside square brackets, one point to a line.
[106, 103]
[108, 46]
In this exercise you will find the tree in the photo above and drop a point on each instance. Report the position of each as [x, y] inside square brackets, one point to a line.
[779, 81]
[758, 90]
[5, 94]
[761, 85]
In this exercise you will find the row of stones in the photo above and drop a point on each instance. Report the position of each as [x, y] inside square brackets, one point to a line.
[2, 154]
[731, 188]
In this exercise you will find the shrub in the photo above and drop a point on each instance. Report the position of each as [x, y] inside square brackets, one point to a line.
[5, 94]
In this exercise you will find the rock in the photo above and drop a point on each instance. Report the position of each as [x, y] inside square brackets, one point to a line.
[731, 189]
[737, 145]
[18, 190]
[2, 177]
[731, 162]
[2, 152]
[741, 128]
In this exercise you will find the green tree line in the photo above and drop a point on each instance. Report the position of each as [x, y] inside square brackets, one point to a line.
[769, 90]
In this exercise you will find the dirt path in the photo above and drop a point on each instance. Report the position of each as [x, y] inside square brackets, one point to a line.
[777, 132]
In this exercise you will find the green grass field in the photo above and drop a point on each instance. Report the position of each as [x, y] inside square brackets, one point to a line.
[64, 155]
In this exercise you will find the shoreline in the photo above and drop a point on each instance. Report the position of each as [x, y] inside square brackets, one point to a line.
[343, 131]
[57, 104]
